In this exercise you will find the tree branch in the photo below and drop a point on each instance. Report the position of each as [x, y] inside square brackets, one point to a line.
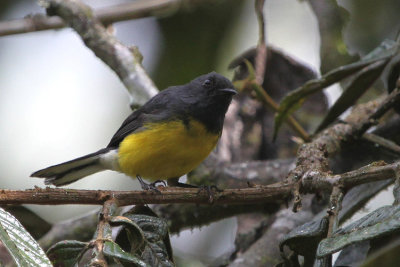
[103, 233]
[81, 229]
[183, 216]
[108, 15]
[275, 193]
[239, 175]
[269, 102]
[352, 202]
[383, 142]
[312, 158]
[262, 252]
[261, 56]
[126, 62]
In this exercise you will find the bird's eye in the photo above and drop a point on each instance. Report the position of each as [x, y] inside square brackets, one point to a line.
[207, 83]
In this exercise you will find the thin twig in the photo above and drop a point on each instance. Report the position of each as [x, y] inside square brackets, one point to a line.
[312, 158]
[334, 208]
[81, 228]
[108, 15]
[373, 119]
[103, 233]
[268, 101]
[382, 142]
[261, 55]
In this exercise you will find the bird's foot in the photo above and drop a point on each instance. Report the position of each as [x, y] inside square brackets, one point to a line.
[210, 190]
[150, 186]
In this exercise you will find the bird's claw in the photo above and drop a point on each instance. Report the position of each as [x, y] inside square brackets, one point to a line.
[210, 190]
[150, 186]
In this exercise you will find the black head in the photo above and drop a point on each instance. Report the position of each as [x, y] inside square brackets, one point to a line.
[207, 98]
[214, 85]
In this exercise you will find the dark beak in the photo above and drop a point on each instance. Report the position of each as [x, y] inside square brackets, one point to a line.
[229, 91]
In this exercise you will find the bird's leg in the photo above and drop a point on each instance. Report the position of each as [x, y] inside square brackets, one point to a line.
[150, 186]
[210, 190]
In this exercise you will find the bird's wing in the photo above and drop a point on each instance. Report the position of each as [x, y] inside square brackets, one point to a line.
[155, 110]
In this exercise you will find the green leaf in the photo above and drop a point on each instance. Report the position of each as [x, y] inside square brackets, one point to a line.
[154, 228]
[358, 196]
[157, 251]
[361, 83]
[32, 222]
[113, 250]
[353, 255]
[387, 256]
[135, 234]
[21, 245]
[293, 100]
[310, 233]
[383, 221]
[66, 253]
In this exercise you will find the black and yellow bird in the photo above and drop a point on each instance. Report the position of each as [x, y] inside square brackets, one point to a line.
[164, 139]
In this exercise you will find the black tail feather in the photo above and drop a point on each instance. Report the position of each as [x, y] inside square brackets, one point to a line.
[70, 171]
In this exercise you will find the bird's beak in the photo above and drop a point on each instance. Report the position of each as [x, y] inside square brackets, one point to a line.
[230, 91]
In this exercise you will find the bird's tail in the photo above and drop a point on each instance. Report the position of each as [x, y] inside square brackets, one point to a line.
[73, 170]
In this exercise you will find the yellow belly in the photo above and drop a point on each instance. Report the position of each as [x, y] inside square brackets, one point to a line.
[165, 150]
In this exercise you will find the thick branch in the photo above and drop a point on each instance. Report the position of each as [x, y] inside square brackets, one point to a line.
[239, 175]
[124, 61]
[275, 193]
[377, 171]
[263, 252]
[312, 160]
[181, 216]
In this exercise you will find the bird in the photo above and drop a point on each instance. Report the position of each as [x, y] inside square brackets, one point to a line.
[166, 138]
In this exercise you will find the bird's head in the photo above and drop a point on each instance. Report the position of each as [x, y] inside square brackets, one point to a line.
[208, 97]
[213, 89]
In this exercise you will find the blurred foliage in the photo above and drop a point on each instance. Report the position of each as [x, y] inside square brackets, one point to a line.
[332, 20]
[192, 39]
[385, 52]
[370, 23]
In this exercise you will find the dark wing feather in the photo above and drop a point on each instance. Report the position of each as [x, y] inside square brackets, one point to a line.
[158, 108]
[131, 124]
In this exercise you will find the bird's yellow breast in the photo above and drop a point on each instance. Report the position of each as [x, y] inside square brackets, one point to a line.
[165, 150]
